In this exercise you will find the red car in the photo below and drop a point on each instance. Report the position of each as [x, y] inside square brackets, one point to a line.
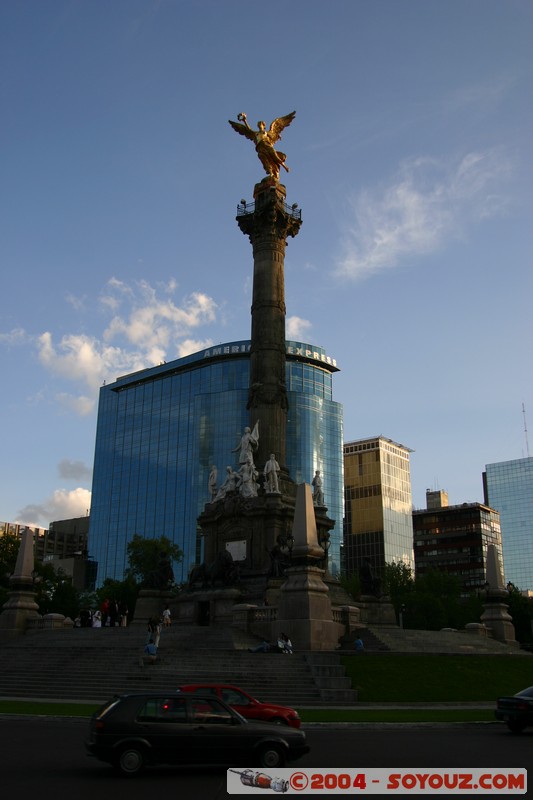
[246, 705]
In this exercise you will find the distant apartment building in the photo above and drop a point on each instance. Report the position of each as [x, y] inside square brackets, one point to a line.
[454, 539]
[64, 545]
[39, 534]
[66, 548]
[67, 538]
[378, 522]
[508, 487]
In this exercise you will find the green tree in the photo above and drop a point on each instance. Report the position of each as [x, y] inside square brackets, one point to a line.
[446, 589]
[9, 548]
[521, 610]
[124, 592]
[144, 556]
[351, 585]
[398, 580]
[55, 593]
[424, 612]
[398, 583]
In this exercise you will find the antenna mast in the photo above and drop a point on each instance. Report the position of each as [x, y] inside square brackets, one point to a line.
[525, 429]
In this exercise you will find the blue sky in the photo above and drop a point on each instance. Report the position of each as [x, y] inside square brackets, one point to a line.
[410, 157]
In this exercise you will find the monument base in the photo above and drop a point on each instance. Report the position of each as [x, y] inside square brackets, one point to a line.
[207, 606]
[304, 612]
[498, 621]
[150, 604]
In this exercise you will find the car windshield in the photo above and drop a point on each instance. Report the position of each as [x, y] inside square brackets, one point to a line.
[525, 692]
[106, 708]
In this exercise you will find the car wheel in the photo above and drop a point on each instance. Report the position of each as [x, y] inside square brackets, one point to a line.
[131, 760]
[271, 756]
[279, 721]
[516, 727]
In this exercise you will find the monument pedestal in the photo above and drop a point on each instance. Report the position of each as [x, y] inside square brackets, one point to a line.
[150, 605]
[496, 618]
[304, 611]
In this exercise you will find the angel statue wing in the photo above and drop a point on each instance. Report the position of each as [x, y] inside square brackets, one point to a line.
[274, 132]
[244, 130]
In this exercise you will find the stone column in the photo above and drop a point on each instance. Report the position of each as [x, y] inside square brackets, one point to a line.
[268, 224]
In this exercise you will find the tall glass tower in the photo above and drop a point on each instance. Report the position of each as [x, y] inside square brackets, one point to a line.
[508, 487]
[160, 430]
[379, 522]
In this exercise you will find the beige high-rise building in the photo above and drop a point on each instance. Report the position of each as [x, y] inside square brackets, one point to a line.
[378, 522]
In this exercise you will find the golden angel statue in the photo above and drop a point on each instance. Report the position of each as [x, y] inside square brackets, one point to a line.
[264, 140]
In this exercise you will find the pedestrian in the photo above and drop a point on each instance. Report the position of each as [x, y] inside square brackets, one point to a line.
[285, 644]
[167, 617]
[104, 611]
[123, 613]
[150, 652]
[150, 630]
[358, 644]
[263, 647]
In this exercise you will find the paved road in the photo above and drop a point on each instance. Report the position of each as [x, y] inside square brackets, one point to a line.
[46, 757]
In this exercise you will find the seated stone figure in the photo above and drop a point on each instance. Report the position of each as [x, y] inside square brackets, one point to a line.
[370, 584]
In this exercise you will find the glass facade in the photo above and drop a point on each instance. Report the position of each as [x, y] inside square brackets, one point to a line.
[509, 489]
[378, 525]
[160, 430]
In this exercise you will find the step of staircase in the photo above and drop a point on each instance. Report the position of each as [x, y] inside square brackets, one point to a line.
[91, 665]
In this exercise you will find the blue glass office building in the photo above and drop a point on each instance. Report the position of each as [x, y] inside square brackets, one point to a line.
[508, 487]
[160, 430]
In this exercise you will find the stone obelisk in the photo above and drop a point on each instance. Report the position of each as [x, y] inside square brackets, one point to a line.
[21, 606]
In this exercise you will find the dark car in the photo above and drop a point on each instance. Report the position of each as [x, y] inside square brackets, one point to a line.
[132, 731]
[516, 711]
[245, 704]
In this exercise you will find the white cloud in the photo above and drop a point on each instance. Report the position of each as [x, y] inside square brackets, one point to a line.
[83, 406]
[296, 328]
[13, 337]
[73, 470]
[149, 331]
[62, 504]
[77, 303]
[189, 346]
[427, 202]
[153, 323]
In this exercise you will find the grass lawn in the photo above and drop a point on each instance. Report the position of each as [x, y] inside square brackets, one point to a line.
[398, 678]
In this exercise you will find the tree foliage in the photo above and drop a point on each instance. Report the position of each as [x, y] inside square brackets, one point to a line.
[144, 556]
[9, 548]
[521, 610]
[351, 585]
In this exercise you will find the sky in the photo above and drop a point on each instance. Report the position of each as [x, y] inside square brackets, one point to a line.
[410, 157]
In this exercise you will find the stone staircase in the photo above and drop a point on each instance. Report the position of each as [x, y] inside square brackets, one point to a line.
[459, 642]
[91, 665]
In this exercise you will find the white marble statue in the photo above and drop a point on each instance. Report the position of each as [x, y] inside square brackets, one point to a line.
[247, 445]
[212, 482]
[271, 472]
[248, 484]
[230, 484]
